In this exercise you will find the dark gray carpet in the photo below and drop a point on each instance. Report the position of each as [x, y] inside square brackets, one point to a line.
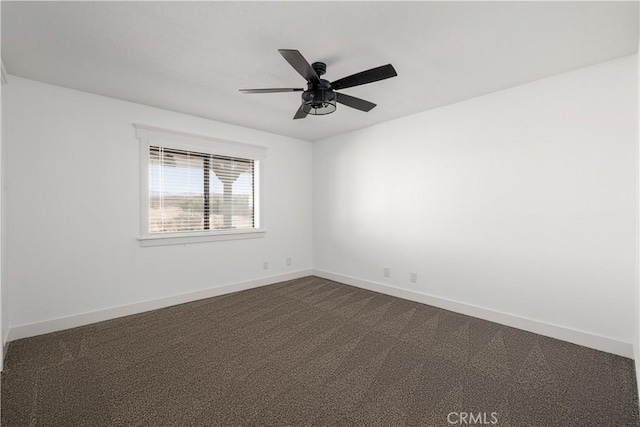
[310, 352]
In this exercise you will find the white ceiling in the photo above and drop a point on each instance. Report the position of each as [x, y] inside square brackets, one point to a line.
[192, 57]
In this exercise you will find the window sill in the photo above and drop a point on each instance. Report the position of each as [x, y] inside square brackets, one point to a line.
[187, 238]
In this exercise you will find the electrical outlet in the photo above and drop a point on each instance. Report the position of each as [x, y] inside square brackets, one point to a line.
[386, 272]
[265, 265]
[413, 277]
[288, 260]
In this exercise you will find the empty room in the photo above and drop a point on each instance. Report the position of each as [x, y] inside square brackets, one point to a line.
[319, 213]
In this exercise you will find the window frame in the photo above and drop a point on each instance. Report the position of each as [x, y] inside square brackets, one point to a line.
[152, 136]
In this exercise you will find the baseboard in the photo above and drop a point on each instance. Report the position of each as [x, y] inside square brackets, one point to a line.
[61, 323]
[637, 366]
[550, 330]
[5, 348]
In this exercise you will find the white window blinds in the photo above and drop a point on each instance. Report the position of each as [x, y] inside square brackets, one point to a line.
[191, 191]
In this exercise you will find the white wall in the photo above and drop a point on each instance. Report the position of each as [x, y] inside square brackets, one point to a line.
[521, 201]
[636, 341]
[4, 297]
[73, 208]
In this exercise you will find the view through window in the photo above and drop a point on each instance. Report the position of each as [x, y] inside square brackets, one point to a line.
[191, 191]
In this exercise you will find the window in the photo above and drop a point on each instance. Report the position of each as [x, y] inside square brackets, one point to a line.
[191, 191]
[197, 188]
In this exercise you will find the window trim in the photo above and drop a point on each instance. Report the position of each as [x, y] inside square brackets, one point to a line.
[153, 136]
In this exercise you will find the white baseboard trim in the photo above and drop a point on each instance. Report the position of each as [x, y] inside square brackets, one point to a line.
[5, 348]
[61, 323]
[547, 329]
[637, 365]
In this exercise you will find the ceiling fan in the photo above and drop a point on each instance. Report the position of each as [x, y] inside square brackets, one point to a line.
[320, 97]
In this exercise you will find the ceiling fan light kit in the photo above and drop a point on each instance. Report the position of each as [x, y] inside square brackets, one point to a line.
[320, 97]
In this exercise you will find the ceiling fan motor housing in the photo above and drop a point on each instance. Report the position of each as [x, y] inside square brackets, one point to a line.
[319, 99]
[319, 67]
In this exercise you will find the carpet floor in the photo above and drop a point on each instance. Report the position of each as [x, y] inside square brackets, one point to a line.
[311, 352]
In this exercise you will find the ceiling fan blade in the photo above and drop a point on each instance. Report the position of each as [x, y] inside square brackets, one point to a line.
[271, 90]
[364, 77]
[353, 102]
[300, 114]
[297, 61]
